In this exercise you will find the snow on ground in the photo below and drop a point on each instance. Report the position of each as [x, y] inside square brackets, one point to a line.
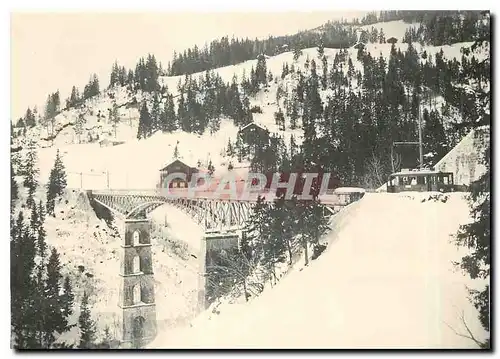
[136, 163]
[90, 256]
[376, 286]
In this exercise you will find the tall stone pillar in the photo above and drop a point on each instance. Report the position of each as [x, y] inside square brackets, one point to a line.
[137, 292]
[214, 241]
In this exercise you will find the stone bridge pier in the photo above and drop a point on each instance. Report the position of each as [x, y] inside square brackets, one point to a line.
[210, 242]
[137, 292]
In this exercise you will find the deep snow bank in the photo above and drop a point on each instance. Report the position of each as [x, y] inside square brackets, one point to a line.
[386, 281]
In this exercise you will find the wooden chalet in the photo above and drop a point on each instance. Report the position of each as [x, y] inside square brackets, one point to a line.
[177, 166]
[253, 134]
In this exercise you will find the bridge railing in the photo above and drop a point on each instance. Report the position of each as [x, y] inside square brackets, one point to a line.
[340, 197]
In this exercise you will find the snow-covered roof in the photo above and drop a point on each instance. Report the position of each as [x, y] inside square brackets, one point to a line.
[349, 190]
[416, 173]
[255, 123]
[182, 162]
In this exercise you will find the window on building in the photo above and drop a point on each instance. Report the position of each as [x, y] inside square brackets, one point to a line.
[136, 299]
[136, 264]
[136, 238]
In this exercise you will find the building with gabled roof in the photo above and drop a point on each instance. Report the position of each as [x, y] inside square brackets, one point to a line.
[177, 166]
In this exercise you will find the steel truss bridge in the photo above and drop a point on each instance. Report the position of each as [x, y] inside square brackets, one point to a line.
[211, 214]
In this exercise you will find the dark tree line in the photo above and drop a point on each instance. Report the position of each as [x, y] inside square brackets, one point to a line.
[445, 28]
[227, 51]
[369, 110]
[42, 299]
[198, 107]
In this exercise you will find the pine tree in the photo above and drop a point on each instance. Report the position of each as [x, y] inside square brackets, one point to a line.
[255, 230]
[86, 325]
[79, 126]
[144, 130]
[55, 320]
[74, 98]
[168, 116]
[434, 138]
[14, 195]
[57, 183]
[67, 301]
[321, 47]
[23, 286]
[114, 117]
[364, 37]
[176, 151]
[211, 168]
[297, 52]
[40, 316]
[155, 113]
[31, 171]
[294, 113]
[312, 223]
[229, 149]
[113, 78]
[274, 242]
[324, 77]
[279, 119]
[106, 343]
[29, 118]
[476, 236]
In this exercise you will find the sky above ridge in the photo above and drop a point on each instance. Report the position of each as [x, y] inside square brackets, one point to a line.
[51, 51]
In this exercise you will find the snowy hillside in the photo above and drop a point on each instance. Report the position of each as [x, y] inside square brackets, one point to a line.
[376, 286]
[385, 280]
[135, 163]
[90, 253]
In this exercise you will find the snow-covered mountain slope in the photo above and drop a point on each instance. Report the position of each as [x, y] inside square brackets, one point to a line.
[135, 163]
[376, 286]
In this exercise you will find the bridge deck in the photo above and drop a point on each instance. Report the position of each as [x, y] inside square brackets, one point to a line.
[208, 209]
[328, 199]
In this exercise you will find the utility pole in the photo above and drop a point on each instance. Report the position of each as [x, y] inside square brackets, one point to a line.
[419, 143]
[420, 149]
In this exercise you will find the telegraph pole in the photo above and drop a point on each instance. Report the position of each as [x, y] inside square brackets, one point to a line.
[420, 149]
